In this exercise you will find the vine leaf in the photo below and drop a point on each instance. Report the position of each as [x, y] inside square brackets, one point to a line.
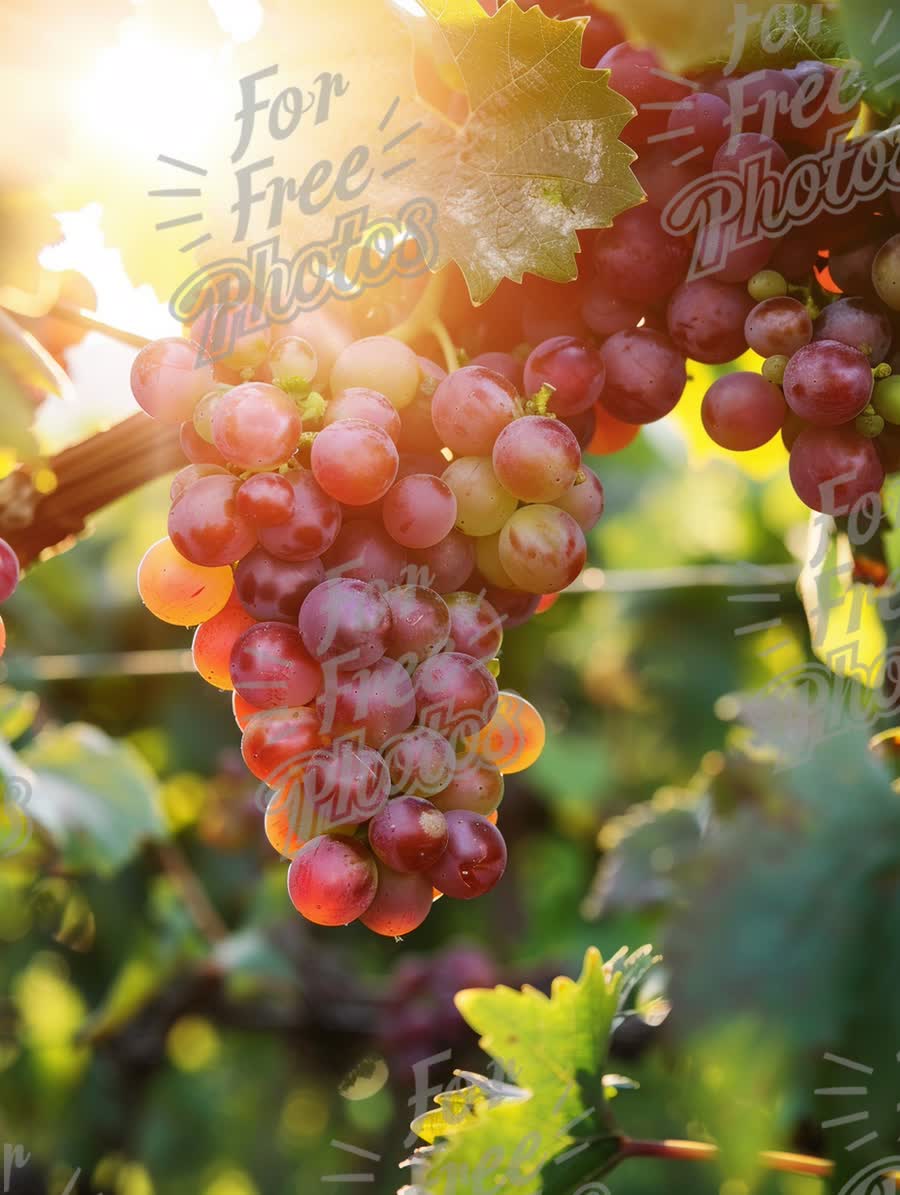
[766, 33]
[94, 797]
[537, 158]
[872, 29]
[553, 1048]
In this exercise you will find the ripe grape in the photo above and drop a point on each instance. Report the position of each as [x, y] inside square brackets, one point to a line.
[645, 376]
[508, 365]
[409, 834]
[179, 592]
[886, 273]
[470, 408]
[169, 377]
[417, 434]
[402, 902]
[313, 526]
[361, 403]
[327, 334]
[574, 369]
[332, 880]
[196, 449]
[513, 606]
[186, 477]
[582, 426]
[515, 736]
[639, 76]
[266, 499]
[213, 641]
[292, 362]
[446, 566]
[475, 858]
[725, 252]
[421, 762]
[610, 434]
[476, 785]
[851, 269]
[419, 511]
[205, 525]
[277, 743]
[542, 548]
[606, 312]
[9, 571]
[706, 320]
[751, 153]
[420, 623]
[583, 500]
[347, 621]
[354, 461]
[702, 121]
[859, 324]
[374, 703]
[638, 259]
[378, 363]
[778, 327]
[475, 626]
[364, 550]
[243, 710]
[273, 590]
[453, 693]
[270, 667]
[536, 459]
[828, 383]
[341, 787]
[832, 468]
[278, 823]
[487, 558]
[482, 504]
[741, 411]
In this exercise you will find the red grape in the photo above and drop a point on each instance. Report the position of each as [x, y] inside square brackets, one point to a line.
[828, 383]
[313, 526]
[574, 369]
[638, 259]
[860, 324]
[420, 623]
[421, 762]
[205, 526]
[706, 320]
[470, 408]
[536, 459]
[270, 667]
[584, 500]
[645, 376]
[374, 703]
[475, 858]
[419, 511]
[354, 461]
[402, 902]
[475, 626]
[169, 377]
[279, 738]
[542, 548]
[273, 590]
[778, 327]
[256, 426]
[446, 566]
[360, 403]
[266, 499]
[409, 834]
[454, 693]
[365, 550]
[332, 880]
[832, 468]
[476, 785]
[742, 411]
[346, 621]
[9, 571]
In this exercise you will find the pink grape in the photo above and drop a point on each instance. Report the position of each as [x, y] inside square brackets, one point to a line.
[409, 834]
[360, 403]
[186, 477]
[862, 325]
[446, 566]
[364, 550]
[742, 411]
[454, 693]
[270, 667]
[703, 120]
[273, 590]
[234, 334]
[292, 361]
[345, 620]
[639, 76]
[606, 312]
[475, 858]
[475, 626]
[645, 376]
[402, 902]
[205, 526]
[354, 461]
[832, 468]
[476, 785]
[421, 762]
[828, 383]
[638, 259]
[510, 366]
[584, 500]
[513, 605]
[574, 369]
[374, 703]
[417, 433]
[332, 880]
[313, 526]
[706, 320]
[536, 459]
[470, 408]
[778, 327]
[342, 786]
[419, 511]
[542, 548]
[256, 426]
[266, 499]
[420, 623]
[169, 377]
[196, 449]
[9, 571]
[276, 737]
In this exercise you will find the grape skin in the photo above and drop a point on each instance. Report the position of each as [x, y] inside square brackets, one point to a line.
[828, 383]
[536, 459]
[832, 468]
[542, 548]
[475, 858]
[332, 881]
[409, 834]
[742, 411]
[645, 376]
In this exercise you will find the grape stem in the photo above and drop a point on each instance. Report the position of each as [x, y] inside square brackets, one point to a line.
[86, 319]
[426, 310]
[442, 336]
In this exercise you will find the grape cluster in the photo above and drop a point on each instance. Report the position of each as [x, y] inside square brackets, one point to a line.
[355, 530]
[9, 582]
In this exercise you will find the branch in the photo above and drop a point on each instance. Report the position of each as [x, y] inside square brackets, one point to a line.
[89, 476]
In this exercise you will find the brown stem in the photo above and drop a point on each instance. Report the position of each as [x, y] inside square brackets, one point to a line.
[89, 476]
[192, 892]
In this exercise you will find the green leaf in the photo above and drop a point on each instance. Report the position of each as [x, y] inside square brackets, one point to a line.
[17, 712]
[554, 1049]
[872, 29]
[94, 797]
[756, 34]
[538, 157]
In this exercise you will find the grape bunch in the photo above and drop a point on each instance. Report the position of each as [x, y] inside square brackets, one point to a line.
[353, 533]
[9, 582]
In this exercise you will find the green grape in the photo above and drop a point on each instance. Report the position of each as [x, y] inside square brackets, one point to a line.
[774, 367]
[482, 504]
[767, 284]
[886, 398]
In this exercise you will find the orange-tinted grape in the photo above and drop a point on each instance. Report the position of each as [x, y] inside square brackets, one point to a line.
[213, 641]
[514, 737]
[243, 710]
[179, 592]
[279, 824]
